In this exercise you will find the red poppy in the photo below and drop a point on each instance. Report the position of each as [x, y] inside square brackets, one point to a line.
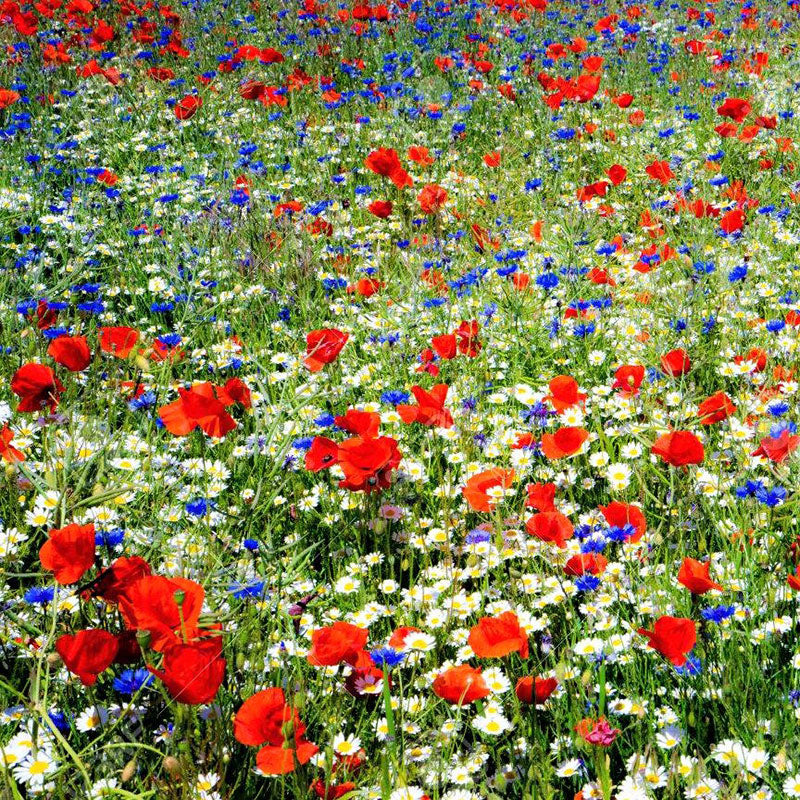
[68, 552]
[535, 690]
[322, 454]
[339, 642]
[694, 576]
[266, 719]
[71, 352]
[193, 672]
[430, 408]
[36, 386]
[616, 174]
[113, 583]
[618, 515]
[778, 448]
[478, 488]
[586, 563]
[234, 391]
[564, 393]
[445, 346]
[168, 608]
[679, 448]
[628, 378]
[386, 163]
[794, 580]
[673, 637]
[187, 106]
[467, 336]
[676, 363]
[492, 159]
[732, 221]
[367, 463]
[398, 637]
[757, 356]
[87, 653]
[550, 526]
[380, 208]
[118, 341]
[564, 442]
[734, 108]
[541, 496]
[660, 171]
[323, 347]
[715, 408]
[197, 408]
[8, 452]
[432, 198]
[495, 637]
[419, 155]
[460, 685]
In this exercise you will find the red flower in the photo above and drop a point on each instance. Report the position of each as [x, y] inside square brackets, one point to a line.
[715, 408]
[679, 448]
[69, 552]
[583, 563]
[87, 653]
[266, 719]
[386, 163]
[564, 393]
[676, 363]
[336, 643]
[660, 171]
[71, 352]
[732, 221]
[478, 488]
[323, 347]
[460, 685]
[535, 690]
[564, 442]
[234, 391]
[734, 108]
[360, 423]
[322, 454]
[628, 378]
[541, 496]
[495, 637]
[550, 526]
[616, 174]
[380, 208]
[618, 515]
[113, 583]
[187, 106]
[197, 408]
[193, 673]
[36, 386]
[430, 408]
[7, 451]
[673, 637]
[118, 341]
[419, 155]
[168, 608]
[778, 448]
[694, 576]
[432, 198]
[367, 463]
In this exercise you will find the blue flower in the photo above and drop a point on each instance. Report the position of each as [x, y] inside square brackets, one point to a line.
[131, 681]
[386, 657]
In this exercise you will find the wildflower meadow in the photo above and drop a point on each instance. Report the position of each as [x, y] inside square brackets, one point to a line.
[399, 401]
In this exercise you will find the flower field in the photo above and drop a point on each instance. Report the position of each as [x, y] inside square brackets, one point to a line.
[399, 401]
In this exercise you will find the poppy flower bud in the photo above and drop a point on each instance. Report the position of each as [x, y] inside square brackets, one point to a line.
[143, 638]
[179, 596]
[128, 771]
[172, 766]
